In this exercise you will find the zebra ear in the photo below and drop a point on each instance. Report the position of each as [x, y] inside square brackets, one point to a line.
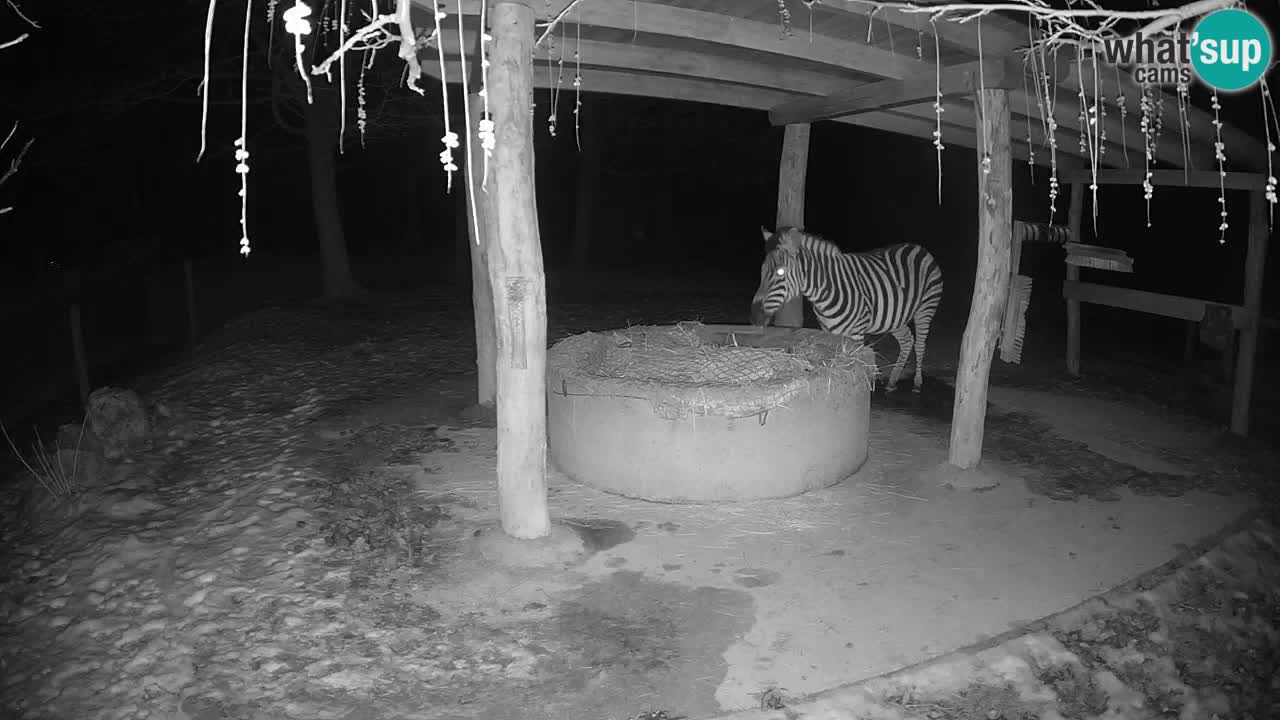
[788, 237]
[768, 234]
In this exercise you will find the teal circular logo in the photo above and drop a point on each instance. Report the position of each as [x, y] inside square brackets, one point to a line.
[1231, 49]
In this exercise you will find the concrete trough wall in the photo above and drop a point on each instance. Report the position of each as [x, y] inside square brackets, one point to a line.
[618, 444]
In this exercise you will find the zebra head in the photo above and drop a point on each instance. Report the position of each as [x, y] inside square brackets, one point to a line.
[780, 274]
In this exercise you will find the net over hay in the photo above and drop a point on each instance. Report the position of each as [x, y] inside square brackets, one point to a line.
[696, 413]
[691, 368]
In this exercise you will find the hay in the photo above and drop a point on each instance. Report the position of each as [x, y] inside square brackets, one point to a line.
[689, 369]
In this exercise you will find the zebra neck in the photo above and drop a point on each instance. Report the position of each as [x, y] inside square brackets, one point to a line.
[839, 308]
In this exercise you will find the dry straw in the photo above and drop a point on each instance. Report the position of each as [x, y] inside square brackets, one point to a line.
[690, 368]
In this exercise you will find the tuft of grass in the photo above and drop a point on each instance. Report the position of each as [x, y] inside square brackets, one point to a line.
[47, 467]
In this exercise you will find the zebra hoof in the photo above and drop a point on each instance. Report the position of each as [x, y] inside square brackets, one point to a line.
[915, 389]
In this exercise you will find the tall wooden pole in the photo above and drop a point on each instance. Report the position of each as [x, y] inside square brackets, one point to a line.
[995, 249]
[478, 208]
[517, 279]
[792, 171]
[1075, 215]
[1255, 262]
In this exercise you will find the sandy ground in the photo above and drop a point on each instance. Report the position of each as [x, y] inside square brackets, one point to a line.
[312, 536]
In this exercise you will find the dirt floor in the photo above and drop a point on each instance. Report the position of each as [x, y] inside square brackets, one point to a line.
[314, 536]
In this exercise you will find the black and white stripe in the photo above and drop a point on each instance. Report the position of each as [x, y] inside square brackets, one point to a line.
[881, 291]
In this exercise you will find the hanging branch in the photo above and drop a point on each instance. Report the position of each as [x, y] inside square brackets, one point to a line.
[1220, 154]
[577, 88]
[296, 24]
[17, 161]
[937, 104]
[488, 140]
[342, 79]
[1269, 117]
[21, 38]
[13, 164]
[550, 25]
[241, 144]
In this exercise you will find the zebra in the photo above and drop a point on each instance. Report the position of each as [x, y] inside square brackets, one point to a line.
[880, 291]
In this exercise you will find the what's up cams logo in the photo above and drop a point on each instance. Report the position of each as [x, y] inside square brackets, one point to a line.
[1228, 50]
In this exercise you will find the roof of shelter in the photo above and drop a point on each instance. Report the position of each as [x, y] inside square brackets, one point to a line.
[832, 53]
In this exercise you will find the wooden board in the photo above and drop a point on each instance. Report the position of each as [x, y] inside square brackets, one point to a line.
[1173, 306]
[961, 80]
[1251, 315]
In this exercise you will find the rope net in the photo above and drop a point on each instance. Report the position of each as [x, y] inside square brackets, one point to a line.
[689, 368]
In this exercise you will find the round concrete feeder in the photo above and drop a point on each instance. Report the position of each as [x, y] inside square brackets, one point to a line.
[708, 413]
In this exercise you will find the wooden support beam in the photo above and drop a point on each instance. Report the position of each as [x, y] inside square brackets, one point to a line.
[1172, 178]
[995, 242]
[1003, 35]
[654, 72]
[1255, 263]
[1075, 215]
[649, 59]
[958, 80]
[714, 28]
[1171, 306]
[517, 280]
[1000, 35]
[756, 98]
[793, 169]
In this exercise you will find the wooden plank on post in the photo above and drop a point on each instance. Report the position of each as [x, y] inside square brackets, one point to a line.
[517, 280]
[1172, 306]
[78, 353]
[1075, 215]
[953, 81]
[1255, 263]
[793, 169]
[995, 246]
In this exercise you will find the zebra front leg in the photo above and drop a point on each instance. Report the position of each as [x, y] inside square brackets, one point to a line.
[905, 340]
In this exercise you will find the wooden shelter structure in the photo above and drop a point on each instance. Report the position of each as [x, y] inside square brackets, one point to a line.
[839, 60]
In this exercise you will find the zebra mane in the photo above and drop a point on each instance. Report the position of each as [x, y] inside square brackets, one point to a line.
[819, 245]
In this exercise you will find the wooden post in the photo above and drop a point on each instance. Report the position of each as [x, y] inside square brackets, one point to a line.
[995, 248]
[193, 318]
[78, 354]
[1255, 262]
[792, 170]
[517, 279]
[1075, 215]
[478, 207]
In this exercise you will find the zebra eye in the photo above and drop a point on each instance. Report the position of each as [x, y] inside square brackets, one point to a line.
[781, 271]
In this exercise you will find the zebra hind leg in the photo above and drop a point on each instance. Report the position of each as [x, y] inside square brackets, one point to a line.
[904, 338]
[922, 322]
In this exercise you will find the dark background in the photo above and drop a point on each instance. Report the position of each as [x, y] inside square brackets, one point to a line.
[110, 200]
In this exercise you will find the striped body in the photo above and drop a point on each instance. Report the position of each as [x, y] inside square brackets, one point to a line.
[881, 291]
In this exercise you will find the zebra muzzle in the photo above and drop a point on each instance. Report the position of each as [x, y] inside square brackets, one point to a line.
[759, 317]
